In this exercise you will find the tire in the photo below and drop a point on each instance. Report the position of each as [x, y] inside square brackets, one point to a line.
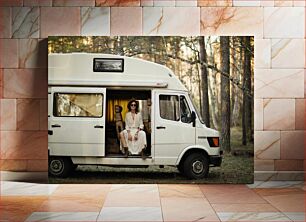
[74, 166]
[196, 166]
[180, 168]
[60, 166]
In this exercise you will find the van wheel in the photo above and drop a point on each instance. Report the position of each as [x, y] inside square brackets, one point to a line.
[180, 168]
[60, 166]
[74, 166]
[196, 166]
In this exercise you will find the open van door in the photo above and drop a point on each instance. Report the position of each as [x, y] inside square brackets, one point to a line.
[77, 121]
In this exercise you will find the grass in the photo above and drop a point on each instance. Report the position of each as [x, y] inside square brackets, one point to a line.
[234, 169]
[236, 140]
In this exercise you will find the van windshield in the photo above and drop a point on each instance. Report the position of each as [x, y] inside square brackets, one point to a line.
[196, 109]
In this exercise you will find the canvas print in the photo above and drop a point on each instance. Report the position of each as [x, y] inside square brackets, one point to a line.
[135, 109]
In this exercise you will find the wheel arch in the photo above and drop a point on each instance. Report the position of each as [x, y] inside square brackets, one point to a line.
[191, 149]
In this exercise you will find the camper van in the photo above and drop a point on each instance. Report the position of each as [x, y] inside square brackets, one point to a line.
[84, 92]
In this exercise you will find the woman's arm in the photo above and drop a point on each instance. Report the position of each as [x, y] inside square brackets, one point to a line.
[127, 122]
[127, 125]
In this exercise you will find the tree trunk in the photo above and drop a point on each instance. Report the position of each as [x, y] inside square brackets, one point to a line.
[243, 122]
[214, 105]
[177, 64]
[199, 86]
[234, 93]
[244, 129]
[248, 101]
[213, 92]
[204, 72]
[225, 95]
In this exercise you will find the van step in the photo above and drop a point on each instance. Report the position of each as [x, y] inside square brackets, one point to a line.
[122, 156]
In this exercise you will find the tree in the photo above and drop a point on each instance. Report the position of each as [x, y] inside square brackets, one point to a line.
[247, 102]
[225, 95]
[236, 72]
[204, 82]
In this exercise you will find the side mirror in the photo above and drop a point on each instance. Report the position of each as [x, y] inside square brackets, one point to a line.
[193, 118]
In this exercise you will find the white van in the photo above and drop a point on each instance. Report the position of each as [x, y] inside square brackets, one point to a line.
[83, 89]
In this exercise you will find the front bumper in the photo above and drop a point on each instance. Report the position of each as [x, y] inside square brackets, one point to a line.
[215, 160]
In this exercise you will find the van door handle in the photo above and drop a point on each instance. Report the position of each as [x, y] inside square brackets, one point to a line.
[160, 127]
[98, 126]
[55, 125]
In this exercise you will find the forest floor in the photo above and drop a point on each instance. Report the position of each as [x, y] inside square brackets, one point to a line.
[235, 168]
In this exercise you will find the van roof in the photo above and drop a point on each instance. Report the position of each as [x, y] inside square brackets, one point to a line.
[78, 69]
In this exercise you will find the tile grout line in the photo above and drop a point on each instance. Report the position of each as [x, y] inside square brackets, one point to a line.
[267, 202]
[160, 203]
[104, 202]
[38, 207]
[209, 202]
[270, 203]
[278, 210]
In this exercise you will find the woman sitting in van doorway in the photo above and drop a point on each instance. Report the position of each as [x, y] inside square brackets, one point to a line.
[133, 138]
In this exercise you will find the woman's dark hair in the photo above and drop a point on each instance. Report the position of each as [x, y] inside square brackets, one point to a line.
[129, 105]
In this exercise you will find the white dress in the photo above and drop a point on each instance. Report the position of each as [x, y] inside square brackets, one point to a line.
[133, 124]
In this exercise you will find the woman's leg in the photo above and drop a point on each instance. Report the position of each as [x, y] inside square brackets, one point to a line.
[124, 143]
[142, 138]
[142, 143]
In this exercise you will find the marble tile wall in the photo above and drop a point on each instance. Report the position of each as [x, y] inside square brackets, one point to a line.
[95, 21]
[280, 83]
[25, 22]
[126, 21]
[159, 21]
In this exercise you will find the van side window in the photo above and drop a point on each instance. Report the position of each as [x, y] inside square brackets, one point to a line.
[185, 111]
[78, 105]
[169, 107]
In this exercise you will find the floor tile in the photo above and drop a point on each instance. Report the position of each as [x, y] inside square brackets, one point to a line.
[180, 190]
[251, 216]
[276, 184]
[88, 190]
[230, 194]
[281, 201]
[187, 209]
[71, 204]
[285, 200]
[277, 191]
[137, 195]
[296, 216]
[262, 207]
[14, 208]
[63, 216]
[130, 214]
[9, 188]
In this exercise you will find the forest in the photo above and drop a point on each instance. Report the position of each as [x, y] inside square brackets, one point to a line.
[217, 71]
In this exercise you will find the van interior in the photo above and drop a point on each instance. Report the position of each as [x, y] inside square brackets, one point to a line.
[116, 108]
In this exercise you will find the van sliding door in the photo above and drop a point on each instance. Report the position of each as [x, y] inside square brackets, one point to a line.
[77, 121]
